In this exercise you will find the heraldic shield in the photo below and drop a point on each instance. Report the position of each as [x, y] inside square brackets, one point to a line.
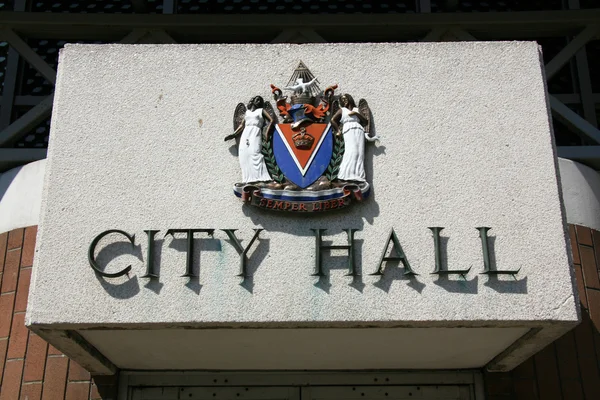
[313, 160]
[303, 157]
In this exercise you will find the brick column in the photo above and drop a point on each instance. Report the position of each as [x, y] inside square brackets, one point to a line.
[30, 369]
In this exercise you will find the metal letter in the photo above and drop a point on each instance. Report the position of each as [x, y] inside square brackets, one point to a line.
[189, 272]
[487, 263]
[92, 250]
[438, 256]
[399, 257]
[241, 251]
[320, 246]
[150, 273]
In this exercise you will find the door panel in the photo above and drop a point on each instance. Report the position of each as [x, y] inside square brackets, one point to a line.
[404, 392]
[440, 392]
[216, 393]
[240, 393]
[156, 393]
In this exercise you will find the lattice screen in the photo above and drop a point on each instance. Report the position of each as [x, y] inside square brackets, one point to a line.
[494, 6]
[294, 6]
[3, 55]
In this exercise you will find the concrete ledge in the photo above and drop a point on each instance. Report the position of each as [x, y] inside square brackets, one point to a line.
[21, 196]
[74, 346]
[581, 193]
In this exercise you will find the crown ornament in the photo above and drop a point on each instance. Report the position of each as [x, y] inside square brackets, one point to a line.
[303, 140]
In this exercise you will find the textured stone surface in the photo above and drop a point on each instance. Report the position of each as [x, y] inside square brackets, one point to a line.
[137, 143]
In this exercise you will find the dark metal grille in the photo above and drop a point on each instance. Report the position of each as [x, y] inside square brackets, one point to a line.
[6, 5]
[589, 4]
[87, 6]
[562, 82]
[37, 137]
[3, 56]
[293, 6]
[154, 6]
[495, 5]
[593, 54]
[33, 82]
[564, 136]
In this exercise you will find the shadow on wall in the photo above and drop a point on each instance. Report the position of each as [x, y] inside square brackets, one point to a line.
[512, 285]
[123, 287]
[6, 179]
[591, 177]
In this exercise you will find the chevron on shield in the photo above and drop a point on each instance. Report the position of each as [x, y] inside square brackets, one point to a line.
[303, 153]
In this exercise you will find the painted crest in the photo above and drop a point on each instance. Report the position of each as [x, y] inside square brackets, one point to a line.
[311, 161]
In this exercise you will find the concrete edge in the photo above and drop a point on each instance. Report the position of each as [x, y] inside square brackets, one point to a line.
[74, 346]
[528, 345]
[531, 324]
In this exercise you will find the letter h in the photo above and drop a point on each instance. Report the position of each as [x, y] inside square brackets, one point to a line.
[320, 247]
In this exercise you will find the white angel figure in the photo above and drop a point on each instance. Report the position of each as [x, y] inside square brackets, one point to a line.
[252, 161]
[348, 121]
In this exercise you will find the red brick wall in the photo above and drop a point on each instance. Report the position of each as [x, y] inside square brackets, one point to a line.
[30, 369]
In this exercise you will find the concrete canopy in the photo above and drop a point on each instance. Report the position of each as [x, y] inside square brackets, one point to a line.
[466, 143]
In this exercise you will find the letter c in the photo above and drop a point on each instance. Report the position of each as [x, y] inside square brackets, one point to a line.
[92, 250]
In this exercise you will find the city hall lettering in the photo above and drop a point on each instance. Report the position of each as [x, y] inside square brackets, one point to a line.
[391, 251]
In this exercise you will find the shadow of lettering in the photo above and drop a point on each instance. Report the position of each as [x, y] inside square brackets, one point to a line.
[454, 283]
[123, 287]
[503, 283]
[507, 284]
[179, 242]
[395, 271]
[154, 284]
[339, 254]
[255, 258]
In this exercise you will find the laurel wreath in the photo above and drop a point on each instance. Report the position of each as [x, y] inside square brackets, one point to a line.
[272, 167]
[336, 158]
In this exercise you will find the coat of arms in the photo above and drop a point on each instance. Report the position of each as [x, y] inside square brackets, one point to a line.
[314, 159]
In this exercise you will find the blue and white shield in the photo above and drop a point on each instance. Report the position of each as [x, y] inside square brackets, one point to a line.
[303, 156]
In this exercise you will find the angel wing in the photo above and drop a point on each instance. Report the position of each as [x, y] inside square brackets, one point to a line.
[365, 111]
[238, 118]
[238, 115]
[269, 109]
[335, 107]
